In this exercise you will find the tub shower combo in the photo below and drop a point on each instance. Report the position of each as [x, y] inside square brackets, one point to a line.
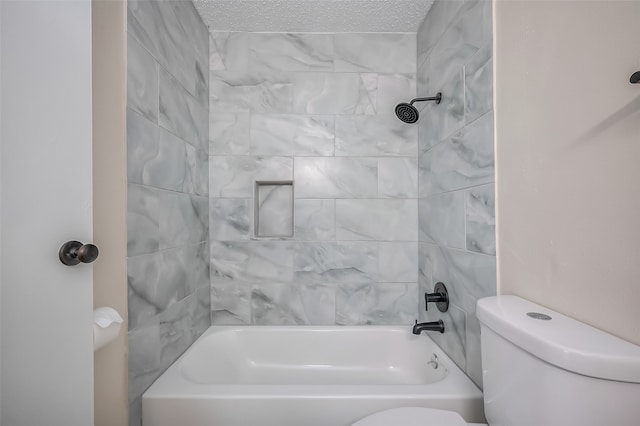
[312, 240]
[310, 375]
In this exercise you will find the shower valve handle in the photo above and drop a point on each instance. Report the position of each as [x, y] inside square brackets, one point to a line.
[440, 297]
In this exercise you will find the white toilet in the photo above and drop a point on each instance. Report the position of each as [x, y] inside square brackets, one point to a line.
[541, 368]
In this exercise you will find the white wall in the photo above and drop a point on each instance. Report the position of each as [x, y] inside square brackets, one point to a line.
[567, 148]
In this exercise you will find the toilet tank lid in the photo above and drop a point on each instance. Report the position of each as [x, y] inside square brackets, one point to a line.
[561, 341]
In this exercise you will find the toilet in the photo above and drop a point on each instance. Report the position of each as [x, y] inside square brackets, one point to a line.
[541, 368]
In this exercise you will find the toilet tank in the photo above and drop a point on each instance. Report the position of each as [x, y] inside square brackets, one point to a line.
[541, 368]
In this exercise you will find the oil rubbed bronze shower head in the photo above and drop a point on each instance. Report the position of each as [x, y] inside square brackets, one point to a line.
[408, 113]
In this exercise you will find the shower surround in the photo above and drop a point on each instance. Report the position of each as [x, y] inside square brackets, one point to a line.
[318, 110]
[456, 171]
[167, 202]
[379, 210]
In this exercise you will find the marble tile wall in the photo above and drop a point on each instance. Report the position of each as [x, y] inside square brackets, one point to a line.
[168, 187]
[317, 109]
[456, 203]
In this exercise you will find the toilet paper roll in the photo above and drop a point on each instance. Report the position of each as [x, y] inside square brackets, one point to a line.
[106, 326]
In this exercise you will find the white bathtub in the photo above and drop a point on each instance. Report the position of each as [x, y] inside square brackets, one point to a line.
[305, 376]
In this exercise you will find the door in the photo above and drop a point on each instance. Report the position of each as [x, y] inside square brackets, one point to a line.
[46, 307]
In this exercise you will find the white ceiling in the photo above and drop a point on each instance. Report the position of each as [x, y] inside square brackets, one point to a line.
[313, 15]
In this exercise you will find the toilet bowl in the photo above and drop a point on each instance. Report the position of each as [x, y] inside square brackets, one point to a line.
[540, 367]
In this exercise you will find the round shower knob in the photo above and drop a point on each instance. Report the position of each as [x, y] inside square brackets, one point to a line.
[74, 252]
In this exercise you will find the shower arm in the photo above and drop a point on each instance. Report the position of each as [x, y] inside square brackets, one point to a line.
[436, 98]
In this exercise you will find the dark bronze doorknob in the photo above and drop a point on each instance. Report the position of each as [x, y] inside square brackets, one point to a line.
[74, 252]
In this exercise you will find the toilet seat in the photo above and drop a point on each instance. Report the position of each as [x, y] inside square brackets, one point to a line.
[412, 416]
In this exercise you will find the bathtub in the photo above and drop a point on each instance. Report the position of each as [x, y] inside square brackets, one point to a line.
[306, 376]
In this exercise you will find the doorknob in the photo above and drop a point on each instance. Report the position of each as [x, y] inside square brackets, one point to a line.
[635, 78]
[73, 252]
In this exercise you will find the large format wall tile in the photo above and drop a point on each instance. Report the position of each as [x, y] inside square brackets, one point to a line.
[157, 280]
[235, 177]
[471, 276]
[335, 93]
[184, 219]
[142, 81]
[229, 133]
[176, 330]
[344, 262]
[201, 175]
[291, 304]
[459, 42]
[291, 135]
[437, 121]
[181, 114]
[251, 261]
[142, 148]
[202, 313]
[228, 51]
[478, 85]
[320, 177]
[358, 304]
[291, 52]
[440, 16]
[442, 219]
[387, 53]
[230, 219]
[466, 159]
[144, 358]
[473, 350]
[358, 136]
[392, 90]
[143, 220]
[480, 218]
[315, 220]
[160, 159]
[230, 303]
[381, 220]
[397, 177]
[175, 35]
[232, 91]
[398, 262]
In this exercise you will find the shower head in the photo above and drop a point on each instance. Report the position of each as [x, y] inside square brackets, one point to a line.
[408, 113]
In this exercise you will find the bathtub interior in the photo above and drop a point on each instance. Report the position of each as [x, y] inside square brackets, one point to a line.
[311, 355]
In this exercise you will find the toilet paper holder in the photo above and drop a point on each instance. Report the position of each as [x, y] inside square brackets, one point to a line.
[106, 326]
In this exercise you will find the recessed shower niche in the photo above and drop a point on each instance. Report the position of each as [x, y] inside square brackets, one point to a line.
[273, 211]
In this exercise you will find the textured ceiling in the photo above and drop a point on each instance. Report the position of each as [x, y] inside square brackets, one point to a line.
[313, 15]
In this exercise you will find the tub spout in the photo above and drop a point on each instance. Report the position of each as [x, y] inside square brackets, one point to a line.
[428, 326]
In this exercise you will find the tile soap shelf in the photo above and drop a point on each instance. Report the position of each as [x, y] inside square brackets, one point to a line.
[273, 211]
